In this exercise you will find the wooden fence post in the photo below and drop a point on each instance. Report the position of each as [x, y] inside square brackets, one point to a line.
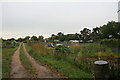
[101, 70]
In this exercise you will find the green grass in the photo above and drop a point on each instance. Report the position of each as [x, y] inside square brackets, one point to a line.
[26, 63]
[6, 61]
[60, 65]
[93, 49]
[79, 62]
[0, 62]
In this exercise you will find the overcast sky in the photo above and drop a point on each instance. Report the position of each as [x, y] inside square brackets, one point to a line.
[20, 19]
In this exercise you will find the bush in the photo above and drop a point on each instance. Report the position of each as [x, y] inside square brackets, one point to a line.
[7, 44]
[111, 42]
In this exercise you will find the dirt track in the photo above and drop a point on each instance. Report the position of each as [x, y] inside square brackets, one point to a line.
[42, 71]
[17, 70]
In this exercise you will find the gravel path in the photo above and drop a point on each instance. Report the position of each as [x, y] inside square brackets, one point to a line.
[42, 71]
[17, 70]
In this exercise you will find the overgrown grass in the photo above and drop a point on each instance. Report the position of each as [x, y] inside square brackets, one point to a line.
[91, 49]
[84, 55]
[60, 65]
[0, 62]
[6, 61]
[26, 63]
[114, 44]
[79, 63]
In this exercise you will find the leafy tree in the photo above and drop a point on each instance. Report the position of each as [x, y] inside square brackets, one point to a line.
[20, 39]
[85, 34]
[70, 37]
[41, 38]
[96, 34]
[61, 36]
[53, 37]
[110, 30]
[34, 38]
[26, 39]
[78, 36]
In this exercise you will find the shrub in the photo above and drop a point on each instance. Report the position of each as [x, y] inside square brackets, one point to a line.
[111, 42]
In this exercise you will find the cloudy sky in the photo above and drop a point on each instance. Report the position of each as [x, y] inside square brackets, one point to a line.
[20, 19]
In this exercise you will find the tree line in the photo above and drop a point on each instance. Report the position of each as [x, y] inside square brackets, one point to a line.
[107, 31]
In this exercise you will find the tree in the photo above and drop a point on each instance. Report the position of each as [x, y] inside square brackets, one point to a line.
[20, 39]
[110, 29]
[70, 37]
[85, 34]
[60, 36]
[96, 34]
[34, 38]
[26, 39]
[53, 37]
[77, 36]
[41, 38]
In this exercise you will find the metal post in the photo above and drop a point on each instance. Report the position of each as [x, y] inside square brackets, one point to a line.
[101, 70]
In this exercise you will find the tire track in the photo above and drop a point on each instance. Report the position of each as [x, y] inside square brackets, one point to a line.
[42, 71]
[17, 69]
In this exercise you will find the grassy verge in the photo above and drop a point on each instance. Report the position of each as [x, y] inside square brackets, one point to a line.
[26, 63]
[6, 61]
[0, 62]
[60, 65]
